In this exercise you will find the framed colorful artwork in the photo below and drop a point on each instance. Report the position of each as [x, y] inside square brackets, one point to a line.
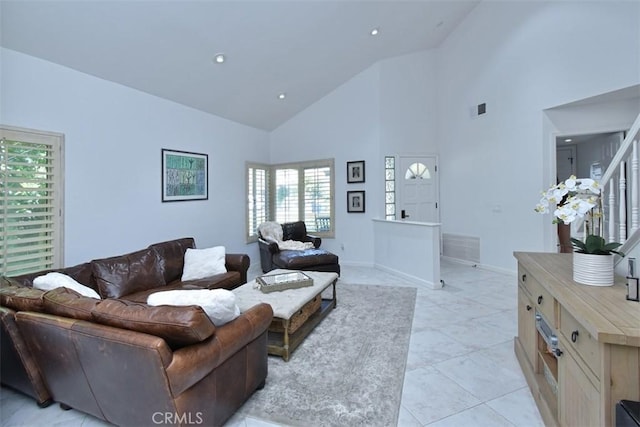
[184, 176]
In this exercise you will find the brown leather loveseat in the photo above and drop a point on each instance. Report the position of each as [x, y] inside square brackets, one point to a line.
[124, 361]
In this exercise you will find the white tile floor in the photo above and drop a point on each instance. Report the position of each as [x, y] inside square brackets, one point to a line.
[461, 369]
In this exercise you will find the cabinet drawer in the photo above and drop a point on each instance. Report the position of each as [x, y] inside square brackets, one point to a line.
[581, 341]
[542, 300]
[524, 278]
[527, 334]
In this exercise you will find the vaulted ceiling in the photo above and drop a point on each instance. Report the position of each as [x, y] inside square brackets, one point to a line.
[303, 48]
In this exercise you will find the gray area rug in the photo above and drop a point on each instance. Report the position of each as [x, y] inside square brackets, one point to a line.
[350, 370]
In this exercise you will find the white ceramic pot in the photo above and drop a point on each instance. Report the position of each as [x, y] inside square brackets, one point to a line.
[593, 270]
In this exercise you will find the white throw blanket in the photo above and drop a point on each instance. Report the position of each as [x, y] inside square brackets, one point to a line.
[219, 304]
[271, 231]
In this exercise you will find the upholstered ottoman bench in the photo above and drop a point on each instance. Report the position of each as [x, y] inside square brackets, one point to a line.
[308, 259]
[296, 312]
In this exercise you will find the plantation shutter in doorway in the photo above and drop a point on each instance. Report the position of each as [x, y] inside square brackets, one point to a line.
[31, 196]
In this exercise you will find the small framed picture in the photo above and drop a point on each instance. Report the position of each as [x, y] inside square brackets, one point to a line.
[355, 172]
[184, 176]
[355, 201]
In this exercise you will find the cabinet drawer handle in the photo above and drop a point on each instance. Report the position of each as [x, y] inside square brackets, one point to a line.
[539, 299]
[558, 352]
[528, 307]
[524, 277]
[574, 336]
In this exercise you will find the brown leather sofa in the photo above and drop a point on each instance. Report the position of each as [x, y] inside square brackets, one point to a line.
[18, 367]
[314, 259]
[124, 361]
[138, 274]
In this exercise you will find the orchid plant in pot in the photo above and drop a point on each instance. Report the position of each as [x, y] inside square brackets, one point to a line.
[581, 198]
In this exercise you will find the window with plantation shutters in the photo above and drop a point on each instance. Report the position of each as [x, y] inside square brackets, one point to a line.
[31, 195]
[257, 198]
[294, 191]
[287, 183]
[317, 199]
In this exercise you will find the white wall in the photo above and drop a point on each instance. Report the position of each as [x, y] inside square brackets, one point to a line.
[343, 125]
[113, 138]
[408, 104]
[612, 112]
[387, 109]
[520, 58]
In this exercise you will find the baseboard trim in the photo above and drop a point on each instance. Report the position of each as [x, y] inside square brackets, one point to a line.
[357, 264]
[409, 277]
[481, 266]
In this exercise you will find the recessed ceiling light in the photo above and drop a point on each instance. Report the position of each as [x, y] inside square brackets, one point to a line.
[282, 95]
[374, 32]
[568, 140]
[219, 58]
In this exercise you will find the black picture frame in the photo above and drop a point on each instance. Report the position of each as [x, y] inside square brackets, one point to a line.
[185, 176]
[355, 172]
[355, 201]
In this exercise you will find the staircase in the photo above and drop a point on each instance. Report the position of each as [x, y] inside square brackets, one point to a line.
[620, 196]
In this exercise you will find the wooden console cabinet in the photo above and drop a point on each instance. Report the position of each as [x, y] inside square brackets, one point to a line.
[597, 360]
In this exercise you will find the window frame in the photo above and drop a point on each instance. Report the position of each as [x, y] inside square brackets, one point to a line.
[252, 235]
[390, 188]
[54, 251]
[272, 193]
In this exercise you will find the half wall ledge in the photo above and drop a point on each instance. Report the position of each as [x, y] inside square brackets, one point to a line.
[409, 249]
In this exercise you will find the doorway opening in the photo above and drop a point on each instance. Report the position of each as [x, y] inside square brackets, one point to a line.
[608, 112]
[583, 156]
[586, 156]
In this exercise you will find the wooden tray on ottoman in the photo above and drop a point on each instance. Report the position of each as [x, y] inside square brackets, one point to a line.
[280, 282]
[298, 318]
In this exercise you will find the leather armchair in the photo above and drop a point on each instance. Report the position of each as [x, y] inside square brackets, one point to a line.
[298, 231]
[315, 259]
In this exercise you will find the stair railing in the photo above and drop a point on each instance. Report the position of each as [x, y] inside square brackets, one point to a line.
[620, 185]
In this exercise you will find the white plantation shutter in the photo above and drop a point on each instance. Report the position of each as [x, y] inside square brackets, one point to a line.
[292, 192]
[257, 198]
[31, 195]
[317, 198]
[287, 195]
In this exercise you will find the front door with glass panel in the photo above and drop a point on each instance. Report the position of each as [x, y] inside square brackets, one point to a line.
[417, 183]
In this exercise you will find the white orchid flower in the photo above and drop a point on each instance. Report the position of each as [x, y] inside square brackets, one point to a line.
[555, 194]
[583, 207]
[565, 214]
[574, 198]
[571, 183]
[542, 208]
[590, 184]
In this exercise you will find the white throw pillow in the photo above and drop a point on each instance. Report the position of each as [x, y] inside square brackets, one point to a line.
[219, 304]
[55, 280]
[202, 263]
